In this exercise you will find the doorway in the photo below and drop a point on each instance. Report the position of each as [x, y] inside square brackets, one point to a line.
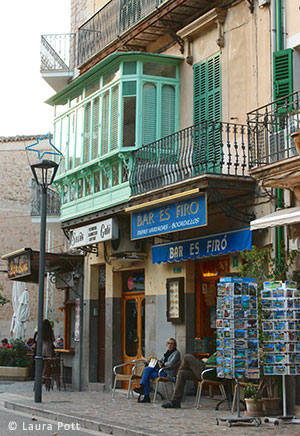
[133, 310]
[101, 325]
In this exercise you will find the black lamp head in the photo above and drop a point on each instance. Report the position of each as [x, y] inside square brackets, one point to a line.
[44, 172]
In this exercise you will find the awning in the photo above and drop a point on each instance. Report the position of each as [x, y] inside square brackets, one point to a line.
[23, 264]
[211, 245]
[281, 217]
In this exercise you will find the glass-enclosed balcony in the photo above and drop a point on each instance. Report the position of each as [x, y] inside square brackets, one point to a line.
[269, 130]
[125, 101]
[205, 148]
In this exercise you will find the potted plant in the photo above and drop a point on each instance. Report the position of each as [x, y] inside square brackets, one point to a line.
[254, 404]
[14, 361]
[271, 403]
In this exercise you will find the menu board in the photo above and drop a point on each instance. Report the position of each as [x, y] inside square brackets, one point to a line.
[281, 328]
[237, 328]
[174, 299]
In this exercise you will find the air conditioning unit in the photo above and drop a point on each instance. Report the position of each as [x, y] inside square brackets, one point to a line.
[123, 245]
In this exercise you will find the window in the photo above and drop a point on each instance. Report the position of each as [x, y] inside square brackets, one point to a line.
[87, 132]
[79, 127]
[95, 128]
[157, 69]
[149, 113]
[105, 123]
[72, 141]
[134, 281]
[207, 154]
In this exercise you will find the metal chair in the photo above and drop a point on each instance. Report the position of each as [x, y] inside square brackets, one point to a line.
[137, 365]
[164, 380]
[211, 383]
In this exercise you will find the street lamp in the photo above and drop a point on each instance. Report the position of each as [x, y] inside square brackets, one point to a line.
[44, 173]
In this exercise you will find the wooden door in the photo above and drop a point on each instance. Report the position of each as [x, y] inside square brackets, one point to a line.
[133, 326]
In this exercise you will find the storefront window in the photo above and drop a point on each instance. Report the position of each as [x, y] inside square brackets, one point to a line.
[69, 319]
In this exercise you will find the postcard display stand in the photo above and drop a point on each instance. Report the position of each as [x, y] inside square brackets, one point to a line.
[281, 329]
[237, 336]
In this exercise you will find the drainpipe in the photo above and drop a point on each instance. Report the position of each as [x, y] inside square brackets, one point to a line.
[279, 192]
[81, 330]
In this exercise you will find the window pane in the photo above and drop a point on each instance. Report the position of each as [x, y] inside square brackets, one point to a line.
[57, 132]
[105, 120]
[72, 141]
[105, 180]
[87, 133]
[129, 107]
[115, 174]
[129, 68]
[63, 149]
[114, 118]
[79, 132]
[168, 110]
[111, 75]
[131, 328]
[134, 281]
[65, 194]
[92, 87]
[75, 100]
[60, 109]
[80, 188]
[97, 181]
[72, 193]
[95, 128]
[88, 185]
[157, 69]
[125, 171]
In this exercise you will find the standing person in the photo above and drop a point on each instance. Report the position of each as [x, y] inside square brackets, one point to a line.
[48, 339]
[169, 361]
[190, 369]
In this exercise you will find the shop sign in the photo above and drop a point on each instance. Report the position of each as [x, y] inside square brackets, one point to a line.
[94, 233]
[169, 218]
[19, 266]
[212, 245]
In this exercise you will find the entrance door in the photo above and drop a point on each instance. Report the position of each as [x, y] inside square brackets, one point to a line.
[133, 326]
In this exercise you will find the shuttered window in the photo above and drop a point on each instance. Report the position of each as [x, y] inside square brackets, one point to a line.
[72, 141]
[149, 113]
[87, 133]
[79, 128]
[168, 110]
[207, 153]
[105, 123]
[95, 128]
[282, 73]
[114, 118]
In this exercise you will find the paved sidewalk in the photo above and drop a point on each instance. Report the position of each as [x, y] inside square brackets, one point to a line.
[97, 411]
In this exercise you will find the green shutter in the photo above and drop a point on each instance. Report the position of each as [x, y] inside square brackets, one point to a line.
[105, 123]
[207, 154]
[114, 118]
[167, 110]
[87, 133]
[282, 73]
[95, 128]
[149, 113]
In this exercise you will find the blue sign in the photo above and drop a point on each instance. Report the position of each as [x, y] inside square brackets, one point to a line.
[183, 215]
[212, 245]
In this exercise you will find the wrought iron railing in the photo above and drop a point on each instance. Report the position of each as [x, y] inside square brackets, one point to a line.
[269, 129]
[58, 52]
[205, 148]
[110, 22]
[53, 201]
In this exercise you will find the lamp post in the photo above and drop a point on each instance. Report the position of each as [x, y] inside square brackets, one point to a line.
[44, 173]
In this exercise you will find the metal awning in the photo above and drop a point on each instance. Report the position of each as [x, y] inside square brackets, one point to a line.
[281, 217]
[23, 264]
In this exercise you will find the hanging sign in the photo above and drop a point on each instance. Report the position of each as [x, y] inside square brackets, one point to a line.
[19, 266]
[212, 245]
[169, 218]
[94, 233]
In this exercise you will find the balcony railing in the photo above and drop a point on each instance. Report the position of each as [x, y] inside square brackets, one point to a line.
[53, 201]
[58, 52]
[205, 148]
[269, 129]
[110, 22]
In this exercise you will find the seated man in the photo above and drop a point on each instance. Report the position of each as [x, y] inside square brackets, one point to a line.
[190, 369]
[168, 362]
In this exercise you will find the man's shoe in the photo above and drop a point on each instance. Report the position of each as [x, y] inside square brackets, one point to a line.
[139, 390]
[173, 404]
[146, 399]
